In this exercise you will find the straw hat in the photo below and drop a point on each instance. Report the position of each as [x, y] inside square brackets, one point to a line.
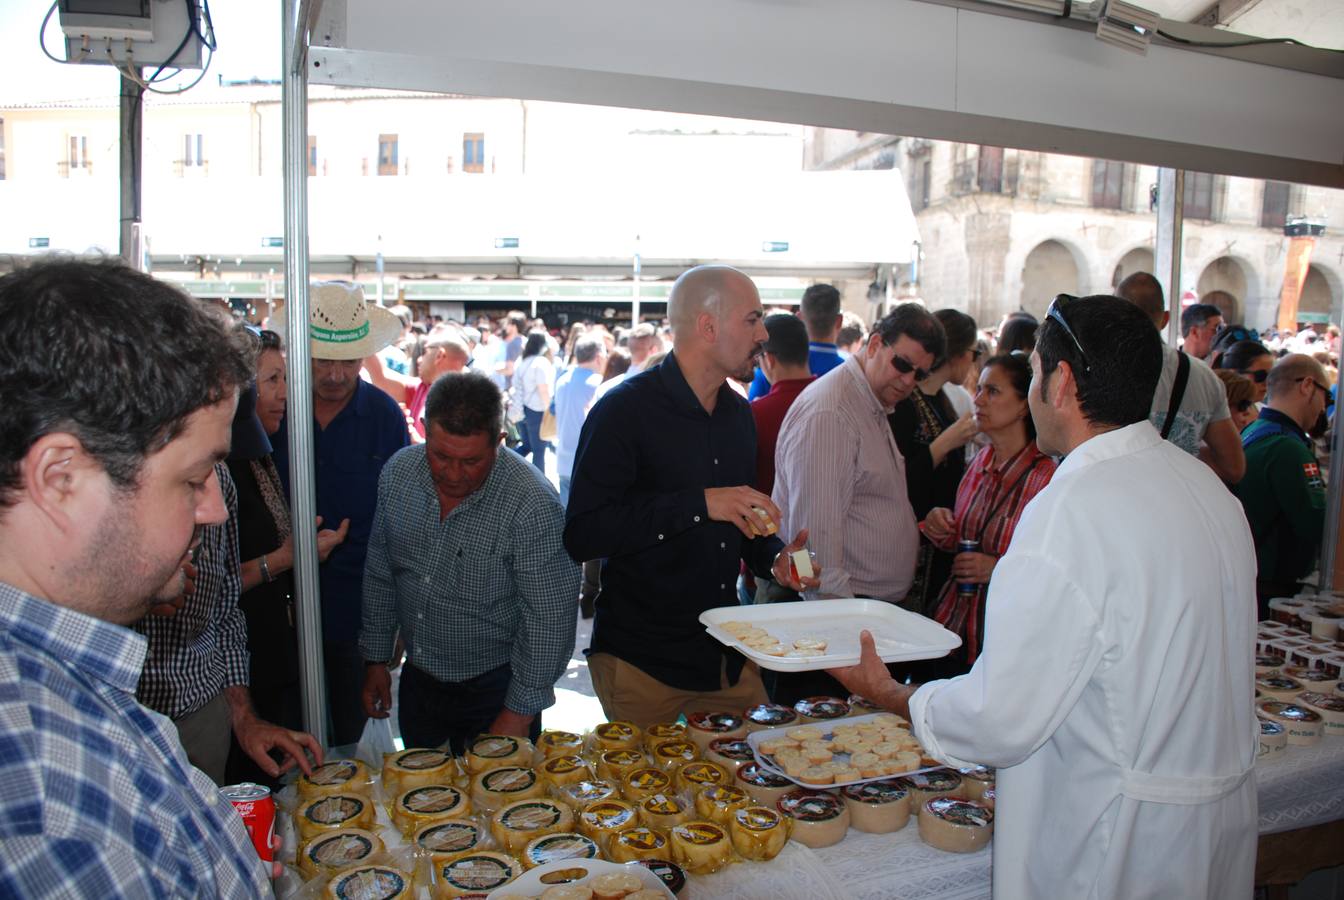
[342, 325]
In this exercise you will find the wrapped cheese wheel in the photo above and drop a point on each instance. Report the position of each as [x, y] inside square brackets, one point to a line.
[671, 754]
[1339, 689]
[877, 807]
[700, 774]
[412, 768]
[557, 743]
[974, 781]
[334, 812]
[862, 706]
[633, 844]
[1276, 687]
[762, 785]
[821, 709]
[340, 776]
[567, 769]
[729, 753]
[604, 818]
[1329, 707]
[989, 796]
[496, 788]
[700, 848]
[614, 765]
[955, 825]
[1273, 739]
[525, 820]
[420, 806]
[758, 833]
[925, 786]
[479, 872]
[616, 736]
[1304, 726]
[336, 850]
[580, 794]
[819, 819]
[495, 751]
[1267, 665]
[370, 883]
[450, 838]
[770, 715]
[1312, 679]
[643, 783]
[553, 847]
[703, 727]
[662, 812]
[664, 731]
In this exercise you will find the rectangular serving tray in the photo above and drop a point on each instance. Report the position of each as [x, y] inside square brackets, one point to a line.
[768, 762]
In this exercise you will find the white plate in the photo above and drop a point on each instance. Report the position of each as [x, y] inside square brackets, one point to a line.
[768, 762]
[900, 635]
[530, 883]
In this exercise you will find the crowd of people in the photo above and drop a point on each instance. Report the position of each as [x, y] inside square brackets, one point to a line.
[1024, 487]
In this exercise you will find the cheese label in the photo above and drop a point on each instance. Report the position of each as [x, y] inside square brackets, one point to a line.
[433, 799]
[703, 773]
[585, 792]
[1266, 661]
[771, 714]
[701, 833]
[340, 850]
[560, 846]
[615, 731]
[875, 792]
[822, 707]
[937, 780]
[717, 722]
[371, 883]
[1305, 675]
[450, 837]
[607, 814]
[494, 746]
[675, 750]
[1290, 711]
[509, 780]
[478, 873]
[641, 839]
[757, 818]
[1322, 701]
[530, 816]
[563, 765]
[960, 812]
[1273, 683]
[978, 773]
[422, 759]
[333, 773]
[1271, 728]
[662, 805]
[335, 809]
[811, 807]
[558, 739]
[738, 751]
[724, 794]
[754, 774]
[666, 731]
[649, 780]
[621, 758]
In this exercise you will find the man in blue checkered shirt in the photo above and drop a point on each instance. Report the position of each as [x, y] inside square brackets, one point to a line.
[118, 394]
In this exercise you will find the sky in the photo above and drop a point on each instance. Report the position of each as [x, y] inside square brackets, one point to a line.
[248, 33]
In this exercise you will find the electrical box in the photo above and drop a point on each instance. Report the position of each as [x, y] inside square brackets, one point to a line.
[132, 32]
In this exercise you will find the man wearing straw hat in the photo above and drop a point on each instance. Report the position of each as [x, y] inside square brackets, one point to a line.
[356, 429]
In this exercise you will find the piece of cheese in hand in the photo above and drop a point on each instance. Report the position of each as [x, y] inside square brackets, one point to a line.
[802, 563]
[955, 825]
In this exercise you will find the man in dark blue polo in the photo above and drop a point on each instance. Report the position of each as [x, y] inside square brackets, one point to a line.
[356, 430]
[661, 490]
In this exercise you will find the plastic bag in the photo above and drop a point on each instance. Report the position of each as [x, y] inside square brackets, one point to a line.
[374, 742]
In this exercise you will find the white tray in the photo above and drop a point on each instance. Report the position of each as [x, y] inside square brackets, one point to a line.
[530, 883]
[899, 634]
[768, 762]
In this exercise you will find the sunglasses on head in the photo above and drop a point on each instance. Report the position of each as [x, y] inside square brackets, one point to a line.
[905, 367]
[1257, 376]
[1056, 312]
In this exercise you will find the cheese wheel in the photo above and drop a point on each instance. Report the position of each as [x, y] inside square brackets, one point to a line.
[974, 781]
[644, 783]
[412, 768]
[1304, 726]
[1329, 707]
[1266, 664]
[718, 802]
[821, 709]
[819, 819]
[877, 807]
[862, 706]
[1339, 689]
[370, 883]
[762, 785]
[479, 872]
[758, 833]
[580, 794]
[496, 788]
[703, 727]
[663, 731]
[420, 806]
[700, 774]
[524, 820]
[1276, 687]
[557, 743]
[700, 848]
[336, 850]
[334, 812]
[1312, 679]
[926, 786]
[729, 753]
[1273, 739]
[604, 818]
[341, 776]
[450, 838]
[567, 769]
[616, 736]
[672, 754]
[769, 715]
[632, 844]
[662, 812]
[553, 847]
[495, 751]
[614, 765]
[991, 794]
[955, 825]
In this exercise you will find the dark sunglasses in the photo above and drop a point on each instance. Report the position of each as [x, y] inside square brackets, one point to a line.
[1056, 312]
[905, 367]
[1324, 390]
[1245, 406]
[1257, 376]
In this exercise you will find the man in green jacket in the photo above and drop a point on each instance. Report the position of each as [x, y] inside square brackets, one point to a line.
[1283, 491]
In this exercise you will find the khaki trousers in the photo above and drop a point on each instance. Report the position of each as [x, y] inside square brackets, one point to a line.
[630, 694]
[205, 737]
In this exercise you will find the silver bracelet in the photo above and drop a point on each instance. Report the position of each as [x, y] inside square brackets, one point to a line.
[265, 569]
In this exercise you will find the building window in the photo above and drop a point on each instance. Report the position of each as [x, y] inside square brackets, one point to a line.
[1274, 204]
[193, 151]
[1198, 195]
[473, 152]
[77, 156]
[1108, 184]
[989, 169]
[920, 182]
[387, 154]
[312, 156]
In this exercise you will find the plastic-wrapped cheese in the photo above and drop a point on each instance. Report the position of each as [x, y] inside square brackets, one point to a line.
[412, 768]
[877, 807]
[450, 838]
[1267, 665]
[729, 753]
[567, 769]
[925, 786]
[553, 847]
[758, 833]
[1304, 726]
[663, 731]
[495, 751]
[604, 818]
[341, 776]
[1311, 679]
[496, 788]
[616, 736]
[479, 872]
[862, 706]
[700, 774]
[672, 754]
[819, 819]
[1329, 707]
[989, 797]
[700, 847]
[644, 783]
[336, 850]
[582, 793]
[662, 812]
[975, 780]
[523, 821]
[770, 715]
[614, 765]
[1273, 739]
[334, 812]
[370, 883]
[764, 786]
[955, 825]
[632, 844]
[703, 727]
[1276, 687]
[821, 709]
[420, 806]
[558, 743]
[718, 802]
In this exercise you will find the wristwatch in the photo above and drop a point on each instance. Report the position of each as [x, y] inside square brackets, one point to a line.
[265, 569]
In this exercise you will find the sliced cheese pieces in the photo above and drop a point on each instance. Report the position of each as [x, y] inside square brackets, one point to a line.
[632, 844]
[495, 788]
[758, 833]
[700, 847]
[703, 727]
[517, 824]
[336, 850]
[421, 806]
[1304, 726]
[819, 819]
[450, 839]
[412, 768]
[370, 883]
[718, 802]
[341, 776]
[955, 825]
[1273, 739]
[877, 807]
[493, 751]
[334, 812]
[554, 847]
[480, 872]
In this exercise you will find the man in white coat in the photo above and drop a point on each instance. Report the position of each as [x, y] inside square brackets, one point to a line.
[1114, 692]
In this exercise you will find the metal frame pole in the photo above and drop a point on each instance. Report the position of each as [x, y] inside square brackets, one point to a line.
[131, 128]
[302, 494]
[1170, 225]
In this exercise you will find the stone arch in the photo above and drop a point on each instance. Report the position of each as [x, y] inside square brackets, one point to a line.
[1052, 267]
[1321, 293]
[1139, 259]
[1229, 281]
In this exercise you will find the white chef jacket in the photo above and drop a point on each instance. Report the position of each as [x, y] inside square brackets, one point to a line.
[1115, 689]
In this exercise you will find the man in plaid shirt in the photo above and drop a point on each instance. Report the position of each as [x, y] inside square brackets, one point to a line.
[118, 394]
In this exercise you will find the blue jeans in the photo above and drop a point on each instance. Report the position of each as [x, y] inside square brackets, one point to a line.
[432, 712]
[564, 491]
[531, 431]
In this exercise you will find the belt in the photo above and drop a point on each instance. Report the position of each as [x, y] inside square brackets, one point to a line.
[1184, 790]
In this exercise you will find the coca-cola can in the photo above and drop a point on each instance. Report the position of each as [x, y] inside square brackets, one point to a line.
[257, 808]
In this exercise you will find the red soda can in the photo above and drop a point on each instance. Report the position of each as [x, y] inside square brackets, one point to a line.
[255, 804]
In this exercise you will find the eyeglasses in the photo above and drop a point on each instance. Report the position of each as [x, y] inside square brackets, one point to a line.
[1257, 376]
[1245, 406]
[905, 367]
[1056, 312]
[1324, 390]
